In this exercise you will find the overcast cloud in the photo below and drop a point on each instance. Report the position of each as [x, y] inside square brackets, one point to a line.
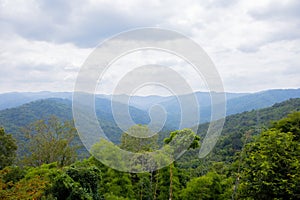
[255, 45]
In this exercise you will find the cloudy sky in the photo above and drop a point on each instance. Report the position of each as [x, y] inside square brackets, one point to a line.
[255, 45]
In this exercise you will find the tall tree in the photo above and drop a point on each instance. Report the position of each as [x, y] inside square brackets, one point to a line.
[183, 140]
[8, 149]
[271, 168]
[50, 141]
[139, 139]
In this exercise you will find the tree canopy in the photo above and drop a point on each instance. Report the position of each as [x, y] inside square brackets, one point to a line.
[8, 149]
[271, 168]
[50, 141]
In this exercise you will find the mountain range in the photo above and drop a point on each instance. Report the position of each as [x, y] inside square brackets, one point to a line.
[20, 109]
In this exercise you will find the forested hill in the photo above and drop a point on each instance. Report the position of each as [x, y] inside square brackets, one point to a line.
[231, 141]
[260, 100]
[15, 118]
[235, 104]
[14, 99]
[238, 125]
[266, 168]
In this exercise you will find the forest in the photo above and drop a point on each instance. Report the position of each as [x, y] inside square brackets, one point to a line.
[256, 157]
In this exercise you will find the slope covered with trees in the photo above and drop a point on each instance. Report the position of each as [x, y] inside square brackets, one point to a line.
[264, 166]
[237, 127]
[14, 119]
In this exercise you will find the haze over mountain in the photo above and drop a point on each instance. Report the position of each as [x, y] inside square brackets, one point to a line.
[15, 118]
[262, 99]
[41, 106]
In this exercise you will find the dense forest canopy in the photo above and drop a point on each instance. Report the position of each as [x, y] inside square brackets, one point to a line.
[254, 159]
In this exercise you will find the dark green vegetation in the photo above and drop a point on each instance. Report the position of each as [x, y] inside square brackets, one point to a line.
[270, 167]
[257, 157]
[50, 141]
[8, 149]
[240, 127]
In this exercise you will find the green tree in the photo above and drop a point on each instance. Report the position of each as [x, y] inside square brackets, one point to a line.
[290, 124]
[138, 139]
[169, 186]
[78, 181]
[8, 149]
[29, 183]
[118, 184]
[211, 186]
[182, 140]
[51, 141]
[271, 169]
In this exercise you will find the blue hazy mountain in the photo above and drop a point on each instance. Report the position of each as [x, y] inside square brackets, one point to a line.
[14, 99]
[13, 119]
[139, 106]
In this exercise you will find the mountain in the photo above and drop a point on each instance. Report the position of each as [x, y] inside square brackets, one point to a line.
[260, 100]
[13, 119]
[141, 102]
[236, 128]
[146, 102]
[236, 103]
[14, 99]
[139, 106]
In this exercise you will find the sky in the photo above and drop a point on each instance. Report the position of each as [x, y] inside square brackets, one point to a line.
[255, 45]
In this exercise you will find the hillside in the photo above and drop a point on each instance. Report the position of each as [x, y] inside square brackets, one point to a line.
[236, 126]
[14, 99]
[236, 103]
[260, 100]
[15, 118]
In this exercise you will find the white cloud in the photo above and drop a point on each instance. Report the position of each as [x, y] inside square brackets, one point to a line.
[38, 65]
[254, 44]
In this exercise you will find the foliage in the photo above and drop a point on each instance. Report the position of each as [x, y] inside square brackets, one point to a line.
[138, 138]
[8, 149]
[50, 141]
[209, 186]
[255, 121]
[118, 184]
[266, 166]
[290, 124]
[168, 183]
[271, 168]
[182, 140]
[28, 183]
[77, 182]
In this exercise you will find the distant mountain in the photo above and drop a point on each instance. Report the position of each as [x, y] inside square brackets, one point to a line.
[140, 105]
[236, 103]
[14, 99]
[142, 102]
[146, 102]
[15, 118]
[173, 108]
[12, 119]
[260, 100]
